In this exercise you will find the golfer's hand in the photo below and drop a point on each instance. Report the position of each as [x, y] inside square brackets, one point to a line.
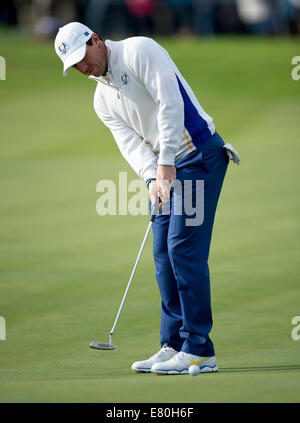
[153, 194]
[164, 179]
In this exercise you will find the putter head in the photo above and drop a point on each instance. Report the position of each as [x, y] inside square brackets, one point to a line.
[102, 346]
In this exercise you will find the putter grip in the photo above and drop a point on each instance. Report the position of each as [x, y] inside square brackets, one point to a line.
[155, 211]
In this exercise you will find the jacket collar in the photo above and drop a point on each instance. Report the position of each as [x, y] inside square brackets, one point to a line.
[111, 56]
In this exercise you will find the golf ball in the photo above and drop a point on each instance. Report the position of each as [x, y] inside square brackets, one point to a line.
[194, 370]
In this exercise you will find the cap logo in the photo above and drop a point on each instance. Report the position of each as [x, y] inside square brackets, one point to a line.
[63, 48]
[86, 33]
[124, 78]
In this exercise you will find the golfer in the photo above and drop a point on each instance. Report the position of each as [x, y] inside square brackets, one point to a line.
[172, 144]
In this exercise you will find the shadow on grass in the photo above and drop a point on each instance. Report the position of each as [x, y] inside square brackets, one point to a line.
[261, 368]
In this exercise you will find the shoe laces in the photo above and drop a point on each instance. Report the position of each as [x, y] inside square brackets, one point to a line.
[164, 348]
[179, 356]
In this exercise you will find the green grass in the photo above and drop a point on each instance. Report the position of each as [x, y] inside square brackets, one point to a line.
[64, 268]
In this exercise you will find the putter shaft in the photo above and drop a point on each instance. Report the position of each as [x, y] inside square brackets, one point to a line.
[131, 277]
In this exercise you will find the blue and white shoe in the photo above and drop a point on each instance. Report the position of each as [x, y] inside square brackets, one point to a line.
[165, 353]
[180, 363]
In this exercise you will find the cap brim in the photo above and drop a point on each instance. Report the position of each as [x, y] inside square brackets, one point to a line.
[74, 58]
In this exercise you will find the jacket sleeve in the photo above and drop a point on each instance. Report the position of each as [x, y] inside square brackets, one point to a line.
[153, 66]
[133, 148]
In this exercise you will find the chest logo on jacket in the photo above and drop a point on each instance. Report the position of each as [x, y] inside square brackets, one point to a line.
[124, 78]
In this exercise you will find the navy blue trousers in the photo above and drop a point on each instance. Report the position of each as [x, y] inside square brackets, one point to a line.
[181, 250]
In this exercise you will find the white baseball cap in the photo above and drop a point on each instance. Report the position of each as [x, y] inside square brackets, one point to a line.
[70, 43]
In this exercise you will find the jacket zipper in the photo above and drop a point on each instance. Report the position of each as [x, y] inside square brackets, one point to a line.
[109, 84]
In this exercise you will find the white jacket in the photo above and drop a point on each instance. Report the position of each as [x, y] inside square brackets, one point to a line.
[150, 109]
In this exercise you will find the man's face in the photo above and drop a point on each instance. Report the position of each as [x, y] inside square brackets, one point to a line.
[95, 59]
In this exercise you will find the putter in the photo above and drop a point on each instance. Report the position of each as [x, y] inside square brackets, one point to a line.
[110, 345]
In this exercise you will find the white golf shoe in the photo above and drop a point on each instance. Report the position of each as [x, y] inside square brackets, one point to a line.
[180, 363]
[164, 354]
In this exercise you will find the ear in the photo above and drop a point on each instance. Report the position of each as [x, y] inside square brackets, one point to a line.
[96, 39]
